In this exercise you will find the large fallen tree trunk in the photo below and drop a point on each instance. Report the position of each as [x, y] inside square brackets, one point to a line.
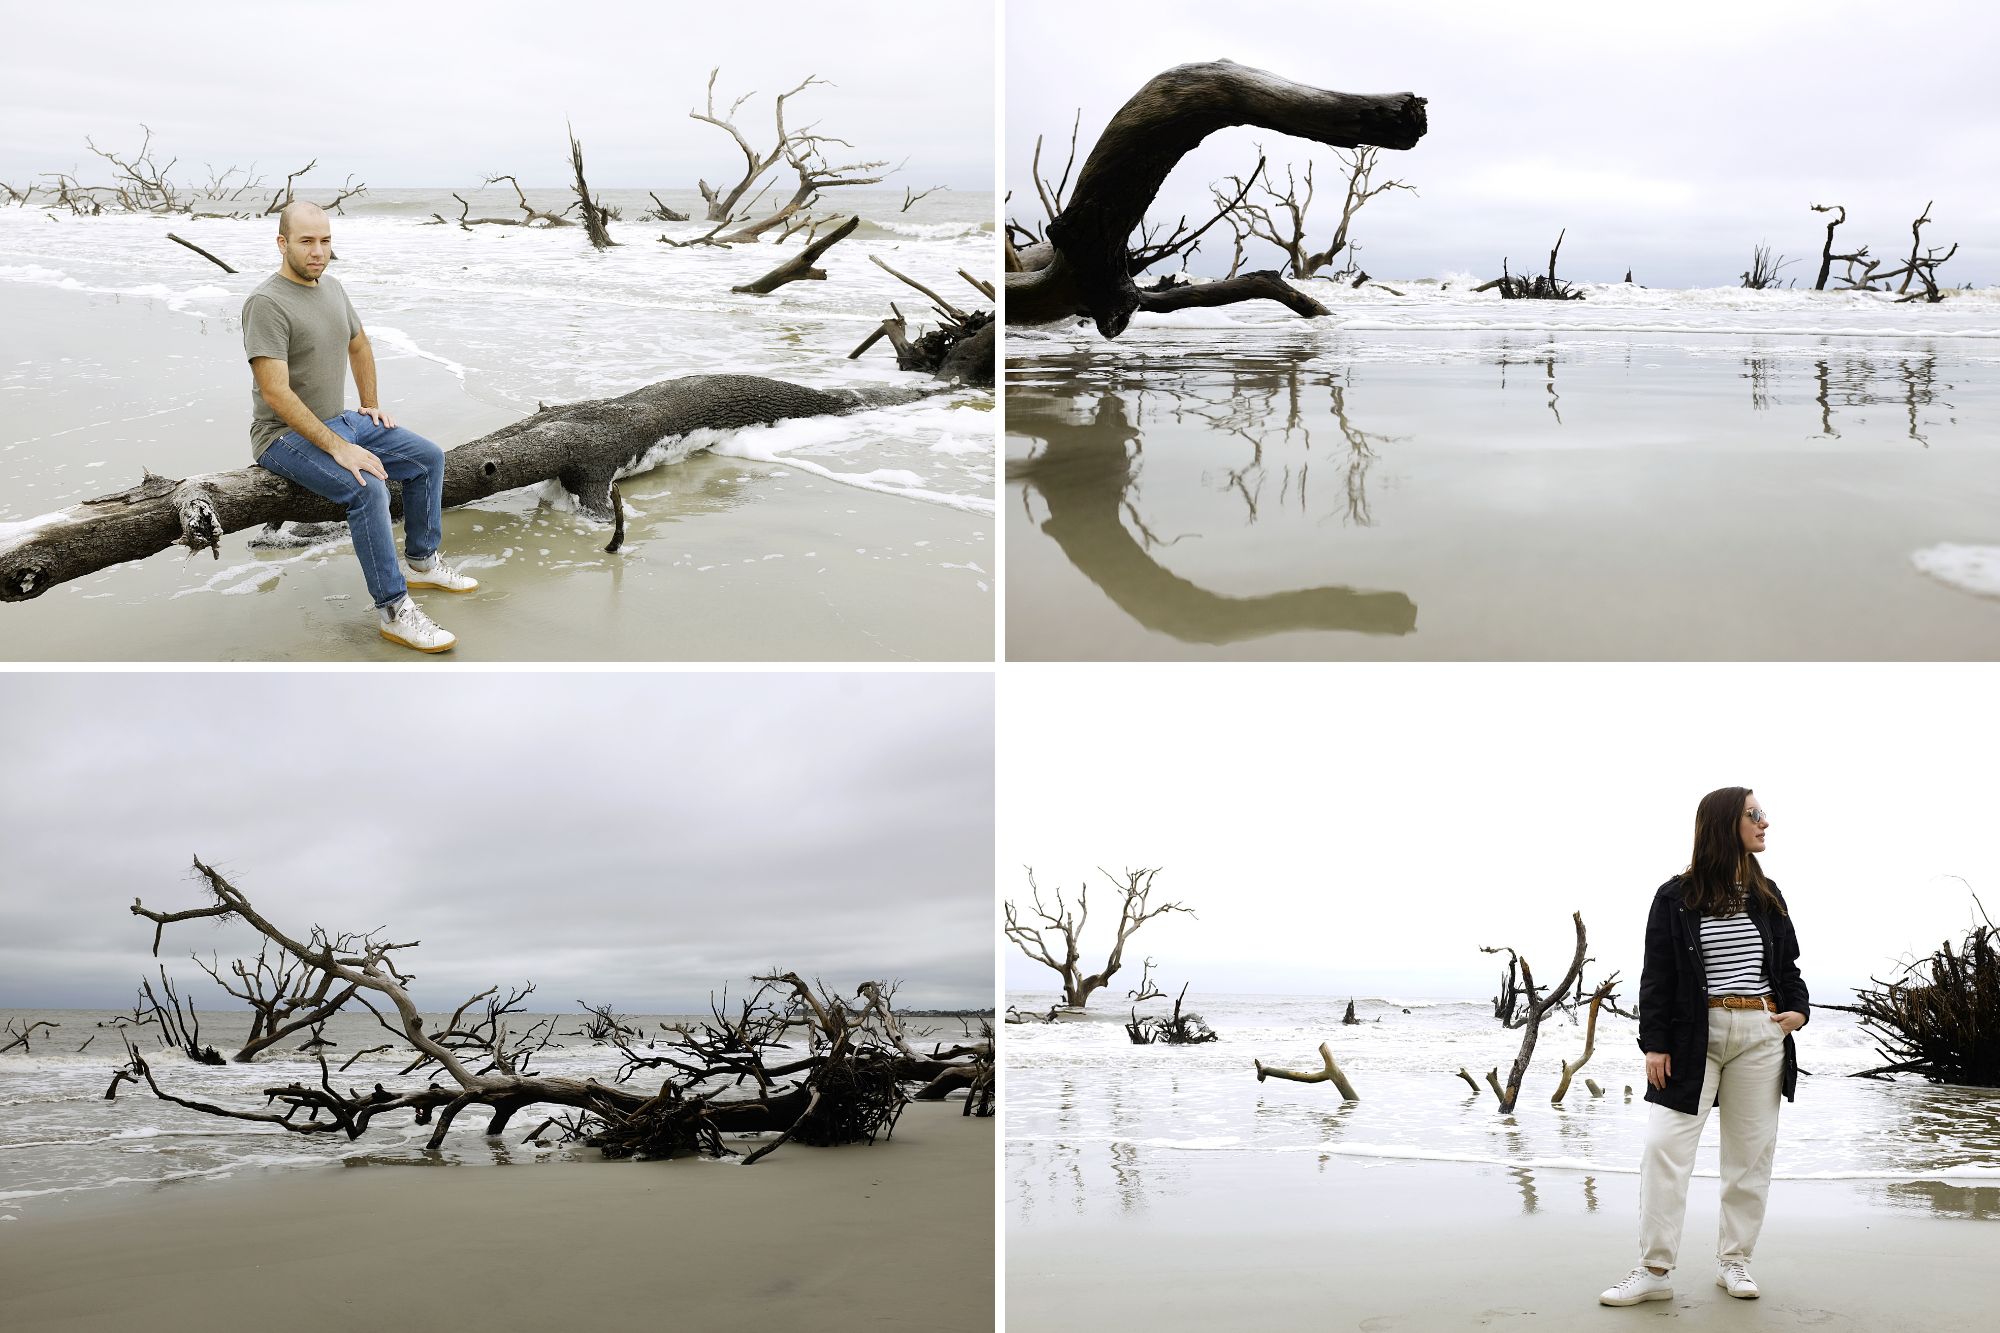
[845, 1088]
[1086, 272]
[584, 446]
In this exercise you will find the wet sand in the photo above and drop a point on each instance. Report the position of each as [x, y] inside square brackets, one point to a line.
[728, 559]
[1201, 1241]
[897, 1236]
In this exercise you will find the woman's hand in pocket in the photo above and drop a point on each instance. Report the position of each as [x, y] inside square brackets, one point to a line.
[1790, 1021]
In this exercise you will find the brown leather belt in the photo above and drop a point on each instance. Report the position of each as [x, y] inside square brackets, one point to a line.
[1742, 1002]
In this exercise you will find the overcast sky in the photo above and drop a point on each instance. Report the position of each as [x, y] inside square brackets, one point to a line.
[1667, 139]
[1364, 829]
[628, 839]
[405, 94]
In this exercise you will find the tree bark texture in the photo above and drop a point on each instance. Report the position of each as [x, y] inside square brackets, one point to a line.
[1175, 110]
[585, 446]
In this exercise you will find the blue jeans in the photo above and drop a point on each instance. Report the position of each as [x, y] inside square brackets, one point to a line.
[407, 457]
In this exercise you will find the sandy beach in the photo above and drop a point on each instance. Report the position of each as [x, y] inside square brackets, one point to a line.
[801, 542]
[1200, 1241]
[897, 1235]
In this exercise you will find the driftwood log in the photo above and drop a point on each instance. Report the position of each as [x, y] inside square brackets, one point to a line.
[800, 265]
[1570, 1067]
[1331, 1073]
[1084, 269]
[585, 446]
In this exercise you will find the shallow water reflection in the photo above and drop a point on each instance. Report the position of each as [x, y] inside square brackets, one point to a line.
[1539, 497]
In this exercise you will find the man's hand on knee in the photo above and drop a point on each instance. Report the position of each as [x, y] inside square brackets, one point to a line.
[379, 417]
[359, 461]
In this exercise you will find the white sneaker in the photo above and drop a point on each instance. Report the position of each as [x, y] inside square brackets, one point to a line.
[1733, 1276]
[435, 573]
[404, 622]
[1641, 1284]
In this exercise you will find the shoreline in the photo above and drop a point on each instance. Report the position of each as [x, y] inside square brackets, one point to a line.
[894, 1235]
[727, 558]
[1396, 1245]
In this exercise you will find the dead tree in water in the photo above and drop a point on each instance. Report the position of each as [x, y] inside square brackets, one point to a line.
[844, 1088]
[1764, 268]
[1531, 1010]
[1084, 267]
[283, 995]
[961, 348]
[1067, 926]
[180, 1028]
[1826, 254]
[595, 215]
[1922, 265]
[584, 446]
[1179, 1030]
[1541, 287]
[1304, 261]
[722, 203]
[1330, 1074]
[22, 1030]
[1941, 1018]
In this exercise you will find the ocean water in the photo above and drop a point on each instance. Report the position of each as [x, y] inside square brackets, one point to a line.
[1082, 1100]
[122, 352]
[60, 1137]
[1454, 476]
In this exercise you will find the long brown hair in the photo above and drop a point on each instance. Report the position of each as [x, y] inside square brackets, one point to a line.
[1720, 862]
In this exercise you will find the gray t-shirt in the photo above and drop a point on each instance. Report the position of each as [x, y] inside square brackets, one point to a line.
[308, 329]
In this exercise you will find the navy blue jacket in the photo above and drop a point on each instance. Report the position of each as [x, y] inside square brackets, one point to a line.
[1673, 999]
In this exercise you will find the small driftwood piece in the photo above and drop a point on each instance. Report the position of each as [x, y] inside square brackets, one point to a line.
[1470, 1081]
[198, 250]
[1595, 1091]
[1570, 1067]
[1331, 1073]
[800, 265]
[1348, 1019]
[584, 446]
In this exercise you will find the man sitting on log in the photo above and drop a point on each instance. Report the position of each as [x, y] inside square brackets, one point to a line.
[298, 328]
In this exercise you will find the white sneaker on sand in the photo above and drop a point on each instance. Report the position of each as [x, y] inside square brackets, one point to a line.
[1733, 1276]
[1641, 1284]
[404, 622]
[435, 573]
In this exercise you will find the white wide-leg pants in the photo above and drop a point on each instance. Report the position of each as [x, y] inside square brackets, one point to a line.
[1746, 1061]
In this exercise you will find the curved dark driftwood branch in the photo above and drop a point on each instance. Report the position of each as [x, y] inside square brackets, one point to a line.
[1088, 273]
[585, 446]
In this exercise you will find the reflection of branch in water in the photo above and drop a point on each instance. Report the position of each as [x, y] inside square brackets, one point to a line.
[1853, 384]
[1825, 409]
[1758, 372]
[1530, 1202]
[1590, 1194]
[1084, 474]
[1547, 361]
[1360, 455]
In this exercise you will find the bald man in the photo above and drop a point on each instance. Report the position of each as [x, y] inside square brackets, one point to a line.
[302, 335]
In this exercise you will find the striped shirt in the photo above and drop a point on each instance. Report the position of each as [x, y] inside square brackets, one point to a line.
[1732, 954]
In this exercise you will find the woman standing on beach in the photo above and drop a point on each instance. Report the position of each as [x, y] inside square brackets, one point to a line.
[1719, 999]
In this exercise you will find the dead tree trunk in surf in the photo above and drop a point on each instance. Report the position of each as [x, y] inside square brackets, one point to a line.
[1531, 1019]
[1086, 271]
[584, 446]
